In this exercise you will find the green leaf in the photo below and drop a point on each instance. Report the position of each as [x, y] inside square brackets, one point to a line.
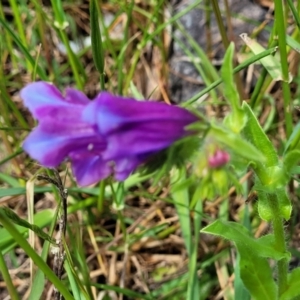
[135, 92]
[24, 50]
[241, 236]
[9, 179]
[75, 287]
[39, 280]
[294, 139]
[285, 206]
[270, 174]
[21, 190]
[292, 42]
[180, 195]
[291, 159]
[257, 275]
[236, 120]
[254, 268]
[76, 283]
[231, 93]
[271, 63]
[236, 143]
[60, 17]
[274, 178]
[41, 219]
[38, 283]
[264, 210]
[7, 278]
[37, 286]
[97, 46]
[220, 181]
[9, 157]
[240, 290]
[265, 204]
[255, 134]
[10, 103]
[293, 286]
[206, 190]
[21, 222]
[193, 291]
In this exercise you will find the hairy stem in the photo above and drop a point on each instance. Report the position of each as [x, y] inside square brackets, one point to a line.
[278, 229]
[280, 24]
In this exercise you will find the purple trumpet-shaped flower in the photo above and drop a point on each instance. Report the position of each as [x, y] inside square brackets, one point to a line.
[110, 135]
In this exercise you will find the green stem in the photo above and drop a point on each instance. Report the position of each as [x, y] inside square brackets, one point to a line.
[121, 58]
[20, 26]
[41, 23]
[6, 276]
[294, 11]
[123, 225]
[14, 36]
[281, 31]
[6, 44]
[208, 34]
[100, 202]
[60, 23]
[240, 67]
[226, 42]
[72, 59]
[278, 230]
[193, 286]
[221, 26]
[259, 90]
[206, 70]
[97, 45]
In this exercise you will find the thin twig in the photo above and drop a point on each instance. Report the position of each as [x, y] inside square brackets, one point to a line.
[59, 255]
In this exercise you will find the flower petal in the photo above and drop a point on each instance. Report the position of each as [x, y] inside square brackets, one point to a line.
[46, 149]
[113, 112]
[89, 169]
[143, 138]
[133, 127]
[125, 166]
[51, 143]
[44, 99]
[76, 97]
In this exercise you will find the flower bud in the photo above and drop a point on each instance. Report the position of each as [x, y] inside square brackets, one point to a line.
[218, 159]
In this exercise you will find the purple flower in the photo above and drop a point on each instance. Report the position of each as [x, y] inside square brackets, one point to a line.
[108, 135]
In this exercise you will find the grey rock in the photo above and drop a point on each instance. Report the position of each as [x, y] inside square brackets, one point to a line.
[184, 80]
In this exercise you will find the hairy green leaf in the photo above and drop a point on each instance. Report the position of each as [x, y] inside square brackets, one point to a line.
[293, 286]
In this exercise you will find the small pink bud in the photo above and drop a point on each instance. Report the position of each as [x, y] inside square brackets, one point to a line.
[218, 159]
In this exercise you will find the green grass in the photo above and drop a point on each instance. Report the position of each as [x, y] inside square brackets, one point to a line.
[139, 239]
